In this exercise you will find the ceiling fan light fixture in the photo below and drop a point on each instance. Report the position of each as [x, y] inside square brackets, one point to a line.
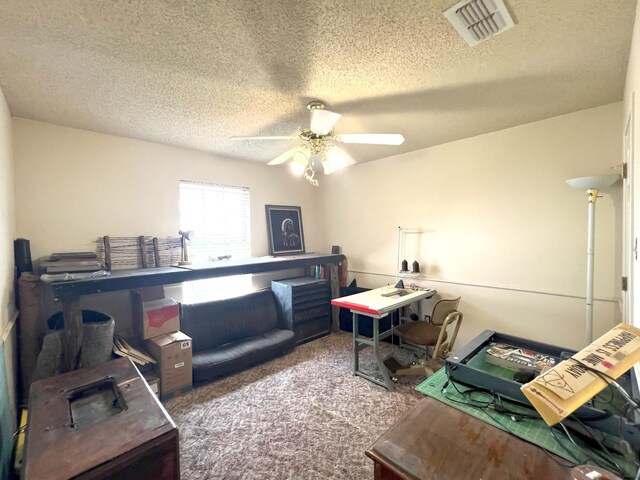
[296, 168]
[300, 161]
[334, 159]
[318, 147]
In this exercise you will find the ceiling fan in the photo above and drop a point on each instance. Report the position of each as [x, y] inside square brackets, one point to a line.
[319, 141]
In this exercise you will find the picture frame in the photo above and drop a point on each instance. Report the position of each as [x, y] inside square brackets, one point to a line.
[284, 229]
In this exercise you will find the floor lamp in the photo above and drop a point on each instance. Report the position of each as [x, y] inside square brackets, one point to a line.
[592, 185]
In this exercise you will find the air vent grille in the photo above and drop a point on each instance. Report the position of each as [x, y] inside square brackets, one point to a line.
[478, 20]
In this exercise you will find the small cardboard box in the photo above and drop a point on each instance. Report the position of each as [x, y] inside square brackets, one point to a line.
[173, 354]
[155, 317]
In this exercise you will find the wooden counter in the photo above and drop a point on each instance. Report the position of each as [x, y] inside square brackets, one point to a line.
[70, 292]
[438, 441]
[149, 277]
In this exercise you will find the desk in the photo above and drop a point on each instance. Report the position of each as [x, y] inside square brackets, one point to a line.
[377, 303]
[438, 441]
[70, 292]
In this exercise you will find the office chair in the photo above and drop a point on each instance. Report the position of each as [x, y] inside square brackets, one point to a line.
[431, 333]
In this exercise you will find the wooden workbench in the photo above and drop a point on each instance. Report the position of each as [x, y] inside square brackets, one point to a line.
[70, 292]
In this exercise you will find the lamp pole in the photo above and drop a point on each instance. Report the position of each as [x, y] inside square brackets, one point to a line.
[592, 195]
[592, 185]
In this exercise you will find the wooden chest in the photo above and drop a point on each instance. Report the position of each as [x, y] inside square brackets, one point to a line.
[99, 422]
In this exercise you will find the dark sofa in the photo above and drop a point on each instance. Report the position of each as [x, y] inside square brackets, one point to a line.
[233, 334]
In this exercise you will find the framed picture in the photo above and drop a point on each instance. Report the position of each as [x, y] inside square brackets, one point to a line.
[284, 228]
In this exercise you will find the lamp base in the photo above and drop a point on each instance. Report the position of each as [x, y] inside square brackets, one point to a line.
[184, 262]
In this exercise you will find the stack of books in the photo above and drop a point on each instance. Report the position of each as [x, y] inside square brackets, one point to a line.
[72, 262]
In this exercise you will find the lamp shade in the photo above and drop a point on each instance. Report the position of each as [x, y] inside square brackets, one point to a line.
[593, 183]
[322, 121]
[336, 159]
[186, 234]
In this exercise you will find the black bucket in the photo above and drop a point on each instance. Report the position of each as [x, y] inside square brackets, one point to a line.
[56, 321]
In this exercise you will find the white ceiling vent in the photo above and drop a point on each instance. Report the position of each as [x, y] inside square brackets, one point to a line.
[478, 20]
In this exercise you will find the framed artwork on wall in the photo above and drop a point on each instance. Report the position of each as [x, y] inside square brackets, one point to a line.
[284, 229]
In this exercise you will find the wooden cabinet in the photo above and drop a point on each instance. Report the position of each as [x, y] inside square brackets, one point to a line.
[98, 423]
[304, 304]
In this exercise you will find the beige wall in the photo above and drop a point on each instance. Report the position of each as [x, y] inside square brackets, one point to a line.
[74, 186]
[501, 227]
[7, 235]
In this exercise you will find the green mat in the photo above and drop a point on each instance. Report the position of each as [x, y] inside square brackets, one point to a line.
[532, 430]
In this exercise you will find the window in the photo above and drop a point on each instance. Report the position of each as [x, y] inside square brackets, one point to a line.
[219, 217]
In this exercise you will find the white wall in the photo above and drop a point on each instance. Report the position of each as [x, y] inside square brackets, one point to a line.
[74, 186]
[7, 235]
[501, 227]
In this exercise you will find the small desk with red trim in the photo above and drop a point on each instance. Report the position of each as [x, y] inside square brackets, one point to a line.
[377, 303]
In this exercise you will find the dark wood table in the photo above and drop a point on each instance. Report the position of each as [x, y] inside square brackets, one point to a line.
[438, 441]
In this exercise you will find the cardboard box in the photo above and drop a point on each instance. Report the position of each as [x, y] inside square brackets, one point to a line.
[173, 354]
[155, 317]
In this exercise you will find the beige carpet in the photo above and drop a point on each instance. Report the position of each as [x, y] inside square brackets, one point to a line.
[301, 416]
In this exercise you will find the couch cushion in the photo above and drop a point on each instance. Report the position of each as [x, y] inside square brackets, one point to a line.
[211, 324]
[240, 354]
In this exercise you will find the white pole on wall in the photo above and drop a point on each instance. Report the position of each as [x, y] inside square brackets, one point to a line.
[592, 185]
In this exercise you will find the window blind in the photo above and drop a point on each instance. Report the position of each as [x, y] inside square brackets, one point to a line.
[219, 217]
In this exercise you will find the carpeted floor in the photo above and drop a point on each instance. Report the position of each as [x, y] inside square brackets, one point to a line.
[301, 416]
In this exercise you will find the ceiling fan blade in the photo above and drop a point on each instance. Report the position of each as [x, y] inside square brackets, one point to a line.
[371, 138]
[283, 157]
[336, 159]
[322, 121]
[280, 137]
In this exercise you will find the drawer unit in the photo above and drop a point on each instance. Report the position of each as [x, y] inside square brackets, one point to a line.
[304, 304]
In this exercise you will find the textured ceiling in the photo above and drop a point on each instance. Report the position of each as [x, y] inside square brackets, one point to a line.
[193, 73]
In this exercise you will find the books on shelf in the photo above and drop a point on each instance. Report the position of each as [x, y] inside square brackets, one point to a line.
[517, 358]
[73, 256]
[70, 267]
[72, 262]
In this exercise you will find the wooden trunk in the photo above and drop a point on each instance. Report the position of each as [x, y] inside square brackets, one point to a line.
[99, 422]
